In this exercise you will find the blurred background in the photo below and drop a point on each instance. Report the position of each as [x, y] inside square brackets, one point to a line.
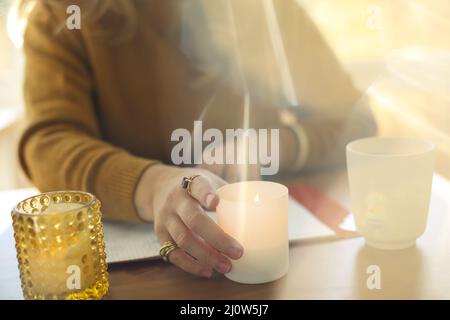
[396, 51]
[11, 105]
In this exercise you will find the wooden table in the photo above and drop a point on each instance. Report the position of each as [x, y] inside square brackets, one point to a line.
[318, 270]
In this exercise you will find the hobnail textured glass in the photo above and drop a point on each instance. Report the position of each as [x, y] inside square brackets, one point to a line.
[60, 246]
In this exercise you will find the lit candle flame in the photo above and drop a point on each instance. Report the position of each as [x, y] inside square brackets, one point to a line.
[256, 198]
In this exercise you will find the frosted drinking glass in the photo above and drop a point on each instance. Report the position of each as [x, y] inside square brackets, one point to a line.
[390, 184]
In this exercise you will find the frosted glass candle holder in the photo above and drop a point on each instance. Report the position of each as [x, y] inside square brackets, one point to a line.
[255, 213]
[60, 246]
[390, 184]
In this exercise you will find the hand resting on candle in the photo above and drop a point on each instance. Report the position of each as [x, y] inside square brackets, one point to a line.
[203, 245]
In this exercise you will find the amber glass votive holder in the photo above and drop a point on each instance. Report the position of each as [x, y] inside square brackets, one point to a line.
[60, 246]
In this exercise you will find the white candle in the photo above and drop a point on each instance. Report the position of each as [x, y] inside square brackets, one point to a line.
[255, 213]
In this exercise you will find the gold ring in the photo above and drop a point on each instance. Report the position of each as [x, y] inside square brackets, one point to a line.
[187, 181]
[166, 248]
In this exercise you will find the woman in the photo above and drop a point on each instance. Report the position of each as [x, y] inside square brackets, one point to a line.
[103, 100]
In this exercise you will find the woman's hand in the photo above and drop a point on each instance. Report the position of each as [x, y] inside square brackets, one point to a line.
[180, 217]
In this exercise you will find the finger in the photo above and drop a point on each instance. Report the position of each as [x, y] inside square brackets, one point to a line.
[204, 192]
[184, 261]
[212, 257]
[197, 248]
[197, 221]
